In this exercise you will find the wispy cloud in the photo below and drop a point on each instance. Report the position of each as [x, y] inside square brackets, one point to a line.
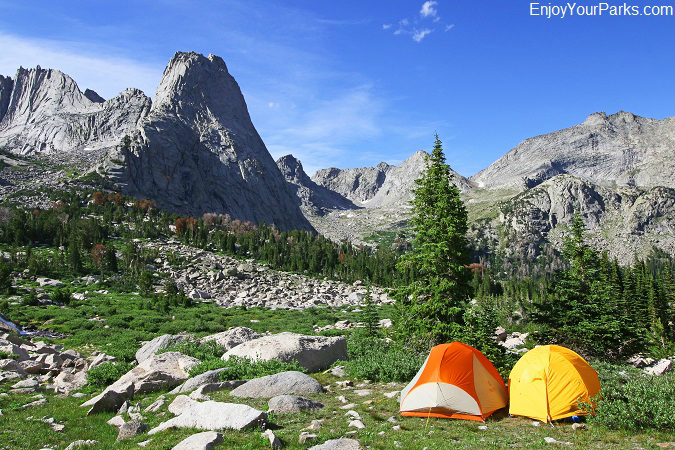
[106, 72]
[418, 35]
[428, 9]
[386, 26]
[449, 27]
[421, 25]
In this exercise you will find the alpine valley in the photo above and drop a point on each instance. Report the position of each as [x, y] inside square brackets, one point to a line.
[194, 150]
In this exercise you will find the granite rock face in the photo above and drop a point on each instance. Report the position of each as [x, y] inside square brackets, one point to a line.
[197, 150]
[381, 186]
[47, 112]
[6, 86]
[620, 149]
[312, 198]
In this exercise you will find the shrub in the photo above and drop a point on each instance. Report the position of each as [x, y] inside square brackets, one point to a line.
[61, 296]
[30, 299]
[630, 400]
[107, 373]
[245, 369]
[202, 351]
[374, 359]
[8, 355]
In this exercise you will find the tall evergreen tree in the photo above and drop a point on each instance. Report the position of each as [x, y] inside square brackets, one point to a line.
[431, 305]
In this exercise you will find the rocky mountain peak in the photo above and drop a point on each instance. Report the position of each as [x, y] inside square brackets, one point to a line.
[291, 168]
[6, 86]
[197, 150]
[620, 149]
[93, 96]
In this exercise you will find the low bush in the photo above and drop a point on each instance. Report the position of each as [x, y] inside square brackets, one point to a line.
[202, 351]
[374, 359]
[61, 296]
[245, 369]
[107, 373]
[630, 400]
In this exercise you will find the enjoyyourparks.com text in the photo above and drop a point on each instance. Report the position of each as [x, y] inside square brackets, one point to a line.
[571, 9]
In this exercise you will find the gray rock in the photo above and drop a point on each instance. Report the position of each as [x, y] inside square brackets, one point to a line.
[231, 338]
[180, 404]
[70, 381]
[82, 443]
[200, 441]
[158, 344]
[209, 377]
[68, 120]
[661, 367]
[101, 358]
[338, 444]
[131, 429]
[213, 416]
[205, 138]
[110, 399]
[162, 371]
[621, 148]
[275, 442]
[311, 352]
[283, 404]
[284, 383]
[313, 198]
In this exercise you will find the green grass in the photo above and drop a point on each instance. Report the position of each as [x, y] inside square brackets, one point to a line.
[415, 433]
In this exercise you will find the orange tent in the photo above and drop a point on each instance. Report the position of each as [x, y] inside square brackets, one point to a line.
[456, 382]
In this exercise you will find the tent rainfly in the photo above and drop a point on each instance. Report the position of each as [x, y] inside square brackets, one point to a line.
[548, 381]
[456, 382]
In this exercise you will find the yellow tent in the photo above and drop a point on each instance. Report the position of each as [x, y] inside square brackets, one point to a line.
[548, 381]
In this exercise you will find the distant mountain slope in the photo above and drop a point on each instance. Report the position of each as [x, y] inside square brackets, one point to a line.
[380, 186]
[194, 150]
[313, 199]
[46, 112]
[621, 149]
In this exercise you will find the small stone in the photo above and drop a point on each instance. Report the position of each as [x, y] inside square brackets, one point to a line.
[131, 429]
[306, 437]
[116, 421]
[396, 428]
[275, 442]
[144, 443]
[314, 426]
[82, 443]
[206, 440]
[357, 424]
[578, 426]
[353, 414]
[341, 399]
[392, 394]
[536, 423]
[482, 427]
[392, 419]
[348, 406]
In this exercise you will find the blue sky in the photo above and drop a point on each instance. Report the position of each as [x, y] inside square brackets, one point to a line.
[352, 83]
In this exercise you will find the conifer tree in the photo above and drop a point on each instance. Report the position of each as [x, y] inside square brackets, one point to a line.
[431, 306]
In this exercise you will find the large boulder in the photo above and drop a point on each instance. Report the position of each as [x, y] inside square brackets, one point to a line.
[200, 441]
[213, 416]
[284, 383]
[314, 353]
[209, 377]
[284, 404]
[338, 444]
[232, 337]
[158, 344]
[159, 372]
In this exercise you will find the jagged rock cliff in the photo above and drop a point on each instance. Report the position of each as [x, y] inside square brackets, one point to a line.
[47, 112]
[6, 85]
[312, 198]
[624, 220]
[380, 186]
[197, 150]
[621, 149]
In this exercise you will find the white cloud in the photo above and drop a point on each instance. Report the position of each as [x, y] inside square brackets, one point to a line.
[449, 27]
[418, 35]
[273, 105]
[107, 73]
[403, 22]
[428, 9]
[329, 129]
[397, 32]
[386, 26]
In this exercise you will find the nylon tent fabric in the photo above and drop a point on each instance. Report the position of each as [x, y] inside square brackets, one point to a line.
[456, 381]
[547, 383]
